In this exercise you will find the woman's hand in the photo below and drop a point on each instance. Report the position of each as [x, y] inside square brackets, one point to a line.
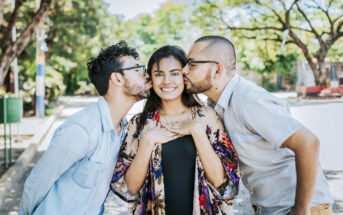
[186, 127]
[137, 171]
[158, 136]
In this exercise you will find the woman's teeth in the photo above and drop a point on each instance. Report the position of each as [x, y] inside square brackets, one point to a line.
[168, 89]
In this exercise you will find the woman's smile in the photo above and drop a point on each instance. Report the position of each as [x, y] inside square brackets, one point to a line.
[168, 89]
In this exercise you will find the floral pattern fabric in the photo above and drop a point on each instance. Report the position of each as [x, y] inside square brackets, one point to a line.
[151, 199]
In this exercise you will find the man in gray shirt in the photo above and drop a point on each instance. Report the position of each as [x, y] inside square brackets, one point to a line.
[278, 156]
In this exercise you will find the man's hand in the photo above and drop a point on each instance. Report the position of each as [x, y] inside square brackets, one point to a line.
[297, 211]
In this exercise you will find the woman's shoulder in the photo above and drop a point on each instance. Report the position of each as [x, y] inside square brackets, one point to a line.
[205, 111]
[134, 119]
[142, 121]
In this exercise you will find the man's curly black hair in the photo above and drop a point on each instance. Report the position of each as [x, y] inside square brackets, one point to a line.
[107, 62]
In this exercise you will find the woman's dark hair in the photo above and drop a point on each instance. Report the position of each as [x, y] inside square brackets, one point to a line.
[107, 62]
[153, 103]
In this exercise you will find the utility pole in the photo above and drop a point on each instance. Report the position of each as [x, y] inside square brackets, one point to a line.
[15, 71]
[15, 62]
[40, 69]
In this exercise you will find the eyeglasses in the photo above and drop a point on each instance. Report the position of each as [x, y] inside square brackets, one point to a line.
[142, 67]
[189, 61]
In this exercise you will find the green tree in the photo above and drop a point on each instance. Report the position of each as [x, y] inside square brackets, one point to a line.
[312, 26]
[168, 25]
[9, 50]
[77, 30]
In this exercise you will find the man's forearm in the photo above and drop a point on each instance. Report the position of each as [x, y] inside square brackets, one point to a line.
[305, 146]
[306, 168]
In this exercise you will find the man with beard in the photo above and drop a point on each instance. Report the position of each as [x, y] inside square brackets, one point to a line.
[74, 174]
[278, 156]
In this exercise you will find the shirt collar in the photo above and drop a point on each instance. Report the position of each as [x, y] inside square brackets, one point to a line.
[227, 92]
[106, 118]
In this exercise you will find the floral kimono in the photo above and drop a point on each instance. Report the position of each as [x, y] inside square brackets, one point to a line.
[151, 199]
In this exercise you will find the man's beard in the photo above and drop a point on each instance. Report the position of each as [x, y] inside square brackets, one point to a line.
[199, 86]
[139, 92]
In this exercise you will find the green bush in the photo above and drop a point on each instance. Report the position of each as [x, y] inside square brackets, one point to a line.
[269, 86]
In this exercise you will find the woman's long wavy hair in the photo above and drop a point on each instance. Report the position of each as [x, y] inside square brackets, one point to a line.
[154, 103]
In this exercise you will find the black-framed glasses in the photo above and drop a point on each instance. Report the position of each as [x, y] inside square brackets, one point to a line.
[142, 67]
[190, 61]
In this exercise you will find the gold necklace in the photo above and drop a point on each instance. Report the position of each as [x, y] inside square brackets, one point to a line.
[164, 120]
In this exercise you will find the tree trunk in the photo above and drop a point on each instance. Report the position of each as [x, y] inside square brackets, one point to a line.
[2, 8]
[322, 73]
[307, 56]
[15, 48]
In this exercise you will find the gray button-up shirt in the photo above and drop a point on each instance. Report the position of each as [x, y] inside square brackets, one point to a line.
[258, 123]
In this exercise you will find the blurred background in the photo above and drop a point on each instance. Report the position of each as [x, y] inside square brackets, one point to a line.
[292, 48]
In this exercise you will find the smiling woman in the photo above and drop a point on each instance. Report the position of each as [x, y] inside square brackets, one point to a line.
[176, 158]
[167, 79]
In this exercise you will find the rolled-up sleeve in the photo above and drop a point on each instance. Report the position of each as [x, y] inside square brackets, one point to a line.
[68, 145]
[268, 117]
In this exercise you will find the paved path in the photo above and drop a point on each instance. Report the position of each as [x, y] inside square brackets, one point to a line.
[241, 203]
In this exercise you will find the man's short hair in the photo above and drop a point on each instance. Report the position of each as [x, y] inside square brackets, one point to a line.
[221, 45]
[107, 62]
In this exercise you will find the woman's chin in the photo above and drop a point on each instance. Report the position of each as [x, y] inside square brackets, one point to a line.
[170, 97]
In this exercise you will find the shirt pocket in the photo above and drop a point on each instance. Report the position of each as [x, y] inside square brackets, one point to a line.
[87, 173]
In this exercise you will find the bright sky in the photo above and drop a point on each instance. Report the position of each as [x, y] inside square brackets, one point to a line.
[131, 8]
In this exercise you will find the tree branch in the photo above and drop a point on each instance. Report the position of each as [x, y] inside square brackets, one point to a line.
[338, 29]
[2, 8]
[8, 30]
[274, 12]
[301, 29]
[15, 48]
[311, 26]
[339, 26]
[256, 28]
[267, 39]
[288, 24]
[245, 28]
[283, 4]
[335, 20]
[326, 12]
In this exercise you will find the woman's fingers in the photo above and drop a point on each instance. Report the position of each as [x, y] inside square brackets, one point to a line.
[167, 136]
[173, 129]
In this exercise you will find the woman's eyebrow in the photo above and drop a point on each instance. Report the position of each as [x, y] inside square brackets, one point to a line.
[175, 70]
[157, 70]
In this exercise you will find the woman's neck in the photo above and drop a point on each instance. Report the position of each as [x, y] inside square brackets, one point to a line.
[172, 107]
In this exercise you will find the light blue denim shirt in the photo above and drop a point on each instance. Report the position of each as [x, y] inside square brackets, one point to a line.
[258, 124]
[73, 175]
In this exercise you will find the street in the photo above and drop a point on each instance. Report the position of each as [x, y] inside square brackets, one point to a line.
[325, 120]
